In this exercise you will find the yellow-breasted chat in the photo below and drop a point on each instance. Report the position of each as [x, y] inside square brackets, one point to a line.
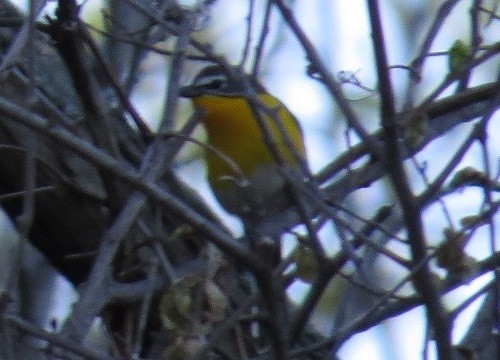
[243, 170]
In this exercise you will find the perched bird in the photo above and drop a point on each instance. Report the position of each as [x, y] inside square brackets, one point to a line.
[248, 143]
[243, 168]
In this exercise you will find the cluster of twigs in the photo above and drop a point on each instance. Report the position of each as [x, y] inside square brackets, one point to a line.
[93, 187]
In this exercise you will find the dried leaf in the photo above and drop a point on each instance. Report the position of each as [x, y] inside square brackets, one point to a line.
[306, 263]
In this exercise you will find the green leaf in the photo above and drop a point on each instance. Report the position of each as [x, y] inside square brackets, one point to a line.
[459, 55]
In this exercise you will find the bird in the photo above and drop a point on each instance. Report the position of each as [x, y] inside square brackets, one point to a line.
[243, 167]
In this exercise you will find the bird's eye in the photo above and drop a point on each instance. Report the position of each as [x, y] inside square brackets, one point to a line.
[216, 84]
[211, 82]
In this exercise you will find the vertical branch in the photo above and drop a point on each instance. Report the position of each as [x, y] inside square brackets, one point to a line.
[172, 95]
[411, 210]
[262, 40]
[66, 33]
[145, 309]
[248, 40]
[25, 220]
[475, 14]
[489, 202]
[418, 62]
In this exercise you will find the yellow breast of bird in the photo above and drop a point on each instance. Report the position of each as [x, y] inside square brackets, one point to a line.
[233, 130]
